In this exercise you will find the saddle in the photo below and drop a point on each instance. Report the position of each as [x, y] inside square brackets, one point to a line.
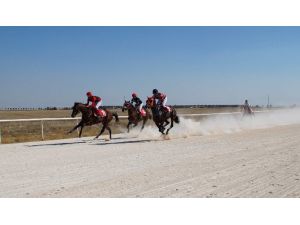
[163, 110]
[101, 113]
[167, 109]
[143, 112]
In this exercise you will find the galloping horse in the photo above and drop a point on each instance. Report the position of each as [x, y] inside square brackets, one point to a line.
[161, 118]
[88, 118]
[134, 117]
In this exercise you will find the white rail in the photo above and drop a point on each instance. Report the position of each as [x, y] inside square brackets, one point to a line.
[47, 119]
[42, 120]
[120, 117]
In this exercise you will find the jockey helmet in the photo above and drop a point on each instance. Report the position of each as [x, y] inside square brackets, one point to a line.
[134, 95]
[89, 94]
[155, 91]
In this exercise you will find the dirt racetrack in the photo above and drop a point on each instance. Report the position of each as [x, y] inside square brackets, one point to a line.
[219, 161]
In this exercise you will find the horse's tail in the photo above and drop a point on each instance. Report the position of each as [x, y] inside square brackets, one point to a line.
[176, 118]
[116, 116]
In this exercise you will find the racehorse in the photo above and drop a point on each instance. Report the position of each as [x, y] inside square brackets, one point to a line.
[161, 117]
[88, 118]
[134, 117]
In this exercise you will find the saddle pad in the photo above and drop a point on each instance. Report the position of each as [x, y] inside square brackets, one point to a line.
[143, 112]
[101, 113]
[168, 108]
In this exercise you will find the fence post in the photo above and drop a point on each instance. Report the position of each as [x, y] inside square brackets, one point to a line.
[42, 127]
[0, 137]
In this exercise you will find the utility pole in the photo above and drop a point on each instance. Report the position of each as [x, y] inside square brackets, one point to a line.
[268, 106]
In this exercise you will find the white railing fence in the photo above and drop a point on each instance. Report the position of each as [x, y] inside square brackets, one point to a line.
[42, 120]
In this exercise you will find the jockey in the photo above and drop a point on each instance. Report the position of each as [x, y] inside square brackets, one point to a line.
[96, 102]
[162, 98]
[138, 102]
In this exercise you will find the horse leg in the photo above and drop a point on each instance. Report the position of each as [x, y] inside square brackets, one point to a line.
[128, 126]
[172, 123]
[144, 122]
[101, 132]
[161, 128]
[78, 125]
[109, 130]
[167, 123]
[158, 126]
[80, 131]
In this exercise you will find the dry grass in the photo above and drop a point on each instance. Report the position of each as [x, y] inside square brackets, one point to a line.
[14, 132]
[40, 114]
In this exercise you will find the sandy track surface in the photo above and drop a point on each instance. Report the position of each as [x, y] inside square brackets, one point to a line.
[253, 163]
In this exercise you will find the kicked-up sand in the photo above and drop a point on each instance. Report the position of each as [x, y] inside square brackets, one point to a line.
[235, 161]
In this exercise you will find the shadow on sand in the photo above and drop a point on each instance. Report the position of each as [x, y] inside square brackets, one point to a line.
[58, 144]
[90, 142]
[125, 142]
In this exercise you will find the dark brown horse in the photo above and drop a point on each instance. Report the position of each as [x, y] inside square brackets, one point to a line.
[88, 118]
[134, 117]
[161, 117]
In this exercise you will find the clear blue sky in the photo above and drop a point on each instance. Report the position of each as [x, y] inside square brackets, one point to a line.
[56, 66]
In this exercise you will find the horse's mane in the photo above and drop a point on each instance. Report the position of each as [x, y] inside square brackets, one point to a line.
[77, 103]
[129, 102]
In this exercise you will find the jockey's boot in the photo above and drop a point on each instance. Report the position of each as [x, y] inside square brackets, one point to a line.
[138, 113]
[98, 116]
[157, 112]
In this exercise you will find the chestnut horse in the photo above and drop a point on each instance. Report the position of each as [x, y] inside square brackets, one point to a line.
[88, 118]
[134, 117]
[161, 117]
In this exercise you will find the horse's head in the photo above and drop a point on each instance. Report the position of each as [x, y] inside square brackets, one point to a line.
[126, 105]
[150, 102]
[75, 109]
